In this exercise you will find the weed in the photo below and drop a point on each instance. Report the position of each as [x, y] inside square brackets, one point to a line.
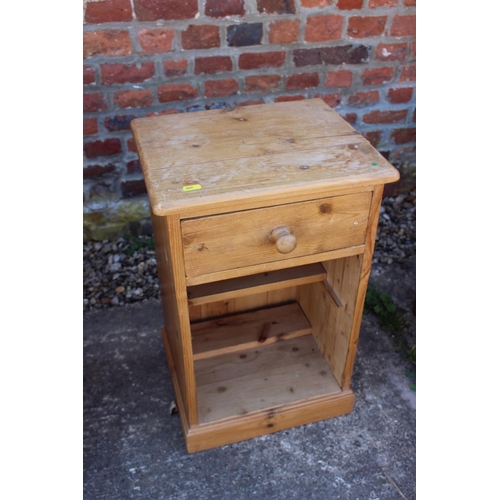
[391, 319]
[138, 242]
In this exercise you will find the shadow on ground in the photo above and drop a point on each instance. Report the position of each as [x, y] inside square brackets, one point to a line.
[134, 449]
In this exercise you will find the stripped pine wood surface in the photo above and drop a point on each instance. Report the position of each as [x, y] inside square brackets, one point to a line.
[254, 379]
[362, 284]
[175, 311]
[259, 423]
[264, 221]
[219, 157]
[241, 239]
[272, 266]
[248, 330]
[256, 283]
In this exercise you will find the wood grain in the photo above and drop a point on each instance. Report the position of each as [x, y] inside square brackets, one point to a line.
[362, 284]
[241, 239]
[169, 258]
[250, 153]
[262, 377]
[260, 336]
[255, 283]
[248, 330]
[232, 430]
[271, 266]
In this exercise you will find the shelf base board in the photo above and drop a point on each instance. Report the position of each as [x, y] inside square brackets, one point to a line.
[232, 430]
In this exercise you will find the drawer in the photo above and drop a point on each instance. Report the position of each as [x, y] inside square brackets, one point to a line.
[246, 238]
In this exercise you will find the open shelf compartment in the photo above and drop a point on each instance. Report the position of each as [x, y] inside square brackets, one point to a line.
[256, 361]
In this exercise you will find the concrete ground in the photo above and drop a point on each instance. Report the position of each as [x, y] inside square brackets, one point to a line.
[134, 448]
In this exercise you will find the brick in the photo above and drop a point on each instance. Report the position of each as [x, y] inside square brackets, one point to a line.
[347, 54]
[131, 145]
[106, 43]
[408, 73]
[219, 88]
[410, 3]
[323, 28]
[118, 123]
[350, 118]
[373, 137]
[317, 3]
[333, 100]
[288, 98]
[302, 81]
[126, 73]
[404, 25]
[88, 75]
[212, 65]
[90, 126]
[362, 27]
[373, 4]
[134, 167]
[391, 51]
[341, 78]
[176, 92]
[257, 60]
[244, 34]
[155, 41]
[402, 135]
[152, 10]
[136, 98]
[223, 8]
[261, 83]
[107, 147]
[94, 102]
[389, 116]
[284, 31]
[276, 6]
[349, 4]
[399, 96]
[175, 68]
[98, 170]
[377, 76]
[360, 99]
[132, 188]
[308, 57]
[108, 11]
[203, 36]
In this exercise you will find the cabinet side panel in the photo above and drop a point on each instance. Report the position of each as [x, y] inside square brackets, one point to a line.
[343, 276]
[175, 310]
[371, 235]
[332, 323]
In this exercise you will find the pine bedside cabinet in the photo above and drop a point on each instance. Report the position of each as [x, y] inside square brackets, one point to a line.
[264, 221]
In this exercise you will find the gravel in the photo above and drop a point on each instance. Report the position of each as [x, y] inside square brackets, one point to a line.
[120, 272]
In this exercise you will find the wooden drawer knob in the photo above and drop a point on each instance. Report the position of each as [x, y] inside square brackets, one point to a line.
[284, 239]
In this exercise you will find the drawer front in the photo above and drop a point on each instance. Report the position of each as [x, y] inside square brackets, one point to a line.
[241, 239]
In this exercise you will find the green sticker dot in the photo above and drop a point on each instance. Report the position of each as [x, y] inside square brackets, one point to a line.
[374, 164]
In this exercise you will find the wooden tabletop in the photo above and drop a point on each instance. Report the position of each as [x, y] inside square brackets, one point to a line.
[217, 158]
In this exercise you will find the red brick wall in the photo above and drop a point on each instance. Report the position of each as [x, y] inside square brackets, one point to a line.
[144, 57]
